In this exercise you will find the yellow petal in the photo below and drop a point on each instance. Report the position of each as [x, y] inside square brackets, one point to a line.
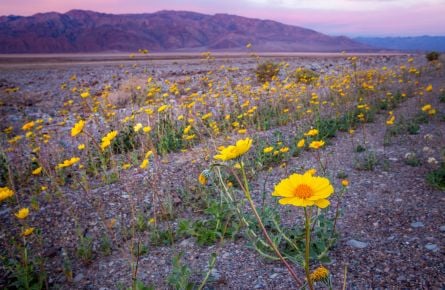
[295, 201]
[322, 203]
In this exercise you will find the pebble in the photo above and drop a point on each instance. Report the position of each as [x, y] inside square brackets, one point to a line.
[78, 278]
[357, 244]
[186, 243]
[274, 275]
[417, 225]
[215, 274]
[442, 228]
[432, 247]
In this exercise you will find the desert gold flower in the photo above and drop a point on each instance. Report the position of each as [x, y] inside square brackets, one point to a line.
[162, 108]
[106, 140]
[81, 146]
[148, 154]
[234, 151]
[345, 182]
[202, 178]
[427, 107]
[68, 162]
[37, 170]
[319, 274]
[126, 166]
[284, 149]
[312, 132]
[391, 120]
[5, 193]
[304, 190]
[28, 231]
[22, 213]
[84, 95]
[429, 88]
[144, 164]
[78, 127]
[28, 126]
[146, 129]
[311, 171]
[268, 149]
[316, 144]
[300, 143]
[137, 127]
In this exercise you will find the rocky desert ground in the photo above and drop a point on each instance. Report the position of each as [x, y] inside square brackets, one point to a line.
[113, 158]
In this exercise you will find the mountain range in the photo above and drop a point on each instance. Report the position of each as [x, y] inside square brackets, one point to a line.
[88, 31]
[418, 43]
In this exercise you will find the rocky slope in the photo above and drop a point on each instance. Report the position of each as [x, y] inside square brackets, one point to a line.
[87, 31]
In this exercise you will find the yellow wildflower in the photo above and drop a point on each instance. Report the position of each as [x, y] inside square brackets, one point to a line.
[137, 127]
[28, 126]
[202, 178]
[304, 190]
[316, 144]
[234, 151]
[126, 166]
[427, 107]
[84, 95]
[391, 120]
[28, 231]
[22, 213]
[319, 274]
[68, 162]
[284, 149]
[37, 170]
[300, 143]
[144, 164]
[268, 149]
[106, 140]
[5, 193]
[148, 154]
[345, 182]
[312, 132]
[146, 129]
[429, 88]
[81, 146]
[78, 127]
[311, 171]
[162, 108]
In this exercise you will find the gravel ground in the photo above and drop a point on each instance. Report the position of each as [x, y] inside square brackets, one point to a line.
[391, 232]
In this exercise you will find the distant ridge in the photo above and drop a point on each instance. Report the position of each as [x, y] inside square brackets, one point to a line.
[88, 31]
[413, 44]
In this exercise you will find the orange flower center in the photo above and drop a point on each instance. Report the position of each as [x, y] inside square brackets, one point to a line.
[303, 191]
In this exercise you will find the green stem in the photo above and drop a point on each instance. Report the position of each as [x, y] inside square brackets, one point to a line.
[308, 240]
[263, 228]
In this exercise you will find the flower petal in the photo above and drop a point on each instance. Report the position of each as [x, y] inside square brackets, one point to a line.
[322, 203]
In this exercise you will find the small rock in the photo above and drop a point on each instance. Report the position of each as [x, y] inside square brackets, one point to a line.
[186, 243]
[78, 278]
[398, 200]
[215, 274]
[5, 211]
[260, 284]
[356, 244]
[417, 225]
[432, 247]
[274, 275]
[442, 228]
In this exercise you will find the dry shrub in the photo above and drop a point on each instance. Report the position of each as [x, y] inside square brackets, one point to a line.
[127, 93]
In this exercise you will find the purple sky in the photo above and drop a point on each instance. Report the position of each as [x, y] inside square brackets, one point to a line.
[334, 17]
